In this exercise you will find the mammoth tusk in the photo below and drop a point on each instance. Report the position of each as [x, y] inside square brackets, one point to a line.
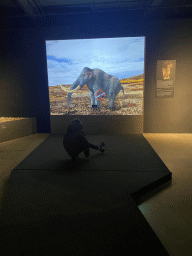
[64, 89]
[68, 90]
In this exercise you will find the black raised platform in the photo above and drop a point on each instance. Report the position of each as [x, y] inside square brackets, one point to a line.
[56, 207]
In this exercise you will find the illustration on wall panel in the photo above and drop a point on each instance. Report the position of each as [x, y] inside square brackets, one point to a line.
[165, 78]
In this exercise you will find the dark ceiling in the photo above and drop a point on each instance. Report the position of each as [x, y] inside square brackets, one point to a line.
[14, 13]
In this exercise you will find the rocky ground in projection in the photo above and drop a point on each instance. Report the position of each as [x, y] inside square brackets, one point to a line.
[129, 104]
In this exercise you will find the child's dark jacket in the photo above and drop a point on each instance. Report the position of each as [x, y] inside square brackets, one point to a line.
[75, 140]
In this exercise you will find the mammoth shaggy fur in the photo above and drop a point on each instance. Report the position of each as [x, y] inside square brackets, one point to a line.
[96, 79]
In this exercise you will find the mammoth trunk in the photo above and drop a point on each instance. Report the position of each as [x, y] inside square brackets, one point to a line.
[75, 84]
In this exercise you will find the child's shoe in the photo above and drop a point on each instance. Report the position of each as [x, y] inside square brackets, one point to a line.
[101, 147]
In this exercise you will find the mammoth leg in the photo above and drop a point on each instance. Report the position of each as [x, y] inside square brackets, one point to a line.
[92, 97]
[111, 102]
[111, 99]
[98, 103]
[94, 101]
[114, 90]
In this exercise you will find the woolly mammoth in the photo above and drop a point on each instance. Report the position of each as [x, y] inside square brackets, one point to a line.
[97, 82]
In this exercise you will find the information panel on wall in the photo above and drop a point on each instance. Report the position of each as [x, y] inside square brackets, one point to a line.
[165, 78]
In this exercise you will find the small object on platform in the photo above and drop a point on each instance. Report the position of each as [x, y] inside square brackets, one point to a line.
[101, 147]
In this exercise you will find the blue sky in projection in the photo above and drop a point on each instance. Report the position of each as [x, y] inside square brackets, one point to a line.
[121, 57]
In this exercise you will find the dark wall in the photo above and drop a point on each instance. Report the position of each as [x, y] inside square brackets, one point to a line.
[24, 91]
[24, 85]
[169, 40]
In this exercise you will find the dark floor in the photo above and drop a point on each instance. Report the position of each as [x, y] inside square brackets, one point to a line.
[85, 207]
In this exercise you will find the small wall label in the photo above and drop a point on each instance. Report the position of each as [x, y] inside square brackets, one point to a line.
[165, 78]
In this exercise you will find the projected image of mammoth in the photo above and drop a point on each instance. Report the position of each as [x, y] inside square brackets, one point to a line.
[100, 84]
